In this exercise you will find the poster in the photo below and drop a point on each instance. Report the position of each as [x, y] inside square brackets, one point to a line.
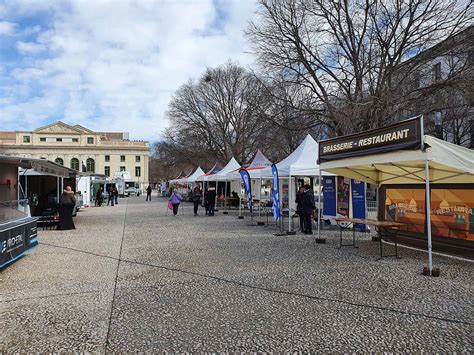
[329, 195]
[451, 211]
[358, 201]
[343, 196]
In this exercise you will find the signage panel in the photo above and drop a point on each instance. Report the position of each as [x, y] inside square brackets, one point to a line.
[402, 135]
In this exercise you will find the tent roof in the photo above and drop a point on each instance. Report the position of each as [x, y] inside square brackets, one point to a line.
[254, 168]
[40, 166]
[214, 170]
[221, 175]
[301, 162]
[449, 163]
[192, 177]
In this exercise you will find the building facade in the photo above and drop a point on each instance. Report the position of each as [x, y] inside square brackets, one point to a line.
[81, 149]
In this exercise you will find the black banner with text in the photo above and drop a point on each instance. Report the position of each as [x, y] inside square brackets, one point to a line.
[402, 135]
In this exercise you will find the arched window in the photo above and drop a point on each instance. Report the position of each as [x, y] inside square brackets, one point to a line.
[75, 163]
[90, 165]
[59, 161]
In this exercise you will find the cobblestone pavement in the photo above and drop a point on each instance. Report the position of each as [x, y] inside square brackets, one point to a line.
[191, 283]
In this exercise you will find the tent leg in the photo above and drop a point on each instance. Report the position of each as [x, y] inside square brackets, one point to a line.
[428, 219]
[290, 232]
[240, 203]
[260, 222]
[319, 240]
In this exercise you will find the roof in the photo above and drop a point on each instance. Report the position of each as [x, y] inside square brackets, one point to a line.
[222, 175]
[192, 178]
[42, 166]
[448, 163]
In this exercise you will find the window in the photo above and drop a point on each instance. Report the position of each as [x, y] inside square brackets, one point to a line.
[42, 139]
[122, 168]
[26, 139]
[137, 158]
[75, 140]
[122, 158]
[59, 139]
[75, 163]
[107, 158]
[90, 140]
[59, 161]
[90, 165]
[437, 71]
[107, 170]
[138, 171]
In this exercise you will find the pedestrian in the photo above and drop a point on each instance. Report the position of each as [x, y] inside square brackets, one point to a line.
[99, 196]
[175, 200]
[111, 196]
[196, 199]
[148, 193]
[67, 201]
[116, 193]
[211, 200]
[299, 208]
[206, 205]
[308, 209]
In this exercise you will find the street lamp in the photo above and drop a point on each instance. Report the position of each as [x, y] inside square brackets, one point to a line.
[438, 125]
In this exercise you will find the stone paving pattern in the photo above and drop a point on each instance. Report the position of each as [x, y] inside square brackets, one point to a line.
[191, 283]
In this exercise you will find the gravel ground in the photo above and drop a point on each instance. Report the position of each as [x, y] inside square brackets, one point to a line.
[206, 284]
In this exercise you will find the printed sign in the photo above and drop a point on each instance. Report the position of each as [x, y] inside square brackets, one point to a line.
[343, 196]
[358, 201]
[16, 240]
[329, 196]
[403, 135]
[248, 187]
[276, 193]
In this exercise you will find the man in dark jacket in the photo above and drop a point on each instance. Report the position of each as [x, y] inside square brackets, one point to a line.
[211, 200]
[148, 193]
[299, 207]
[308, 208]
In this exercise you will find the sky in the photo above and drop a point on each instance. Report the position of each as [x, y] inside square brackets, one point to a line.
[110, 65]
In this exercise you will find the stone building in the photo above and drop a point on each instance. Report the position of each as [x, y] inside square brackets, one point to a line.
[81, 149]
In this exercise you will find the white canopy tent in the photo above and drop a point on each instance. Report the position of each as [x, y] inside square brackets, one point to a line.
[214, 170]
[255, 168]
[440, 161]
[301, 162]
[222, 175]
[192, 178]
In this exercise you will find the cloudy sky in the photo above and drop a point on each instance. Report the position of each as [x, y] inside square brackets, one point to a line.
[110, 65]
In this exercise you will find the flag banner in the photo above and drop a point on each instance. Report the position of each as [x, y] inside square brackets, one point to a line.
[248, 187]
[358, 201]
[329, 196]
[276, 193]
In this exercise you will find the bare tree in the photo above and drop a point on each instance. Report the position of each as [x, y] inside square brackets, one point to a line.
[219, 116]
[348, 52]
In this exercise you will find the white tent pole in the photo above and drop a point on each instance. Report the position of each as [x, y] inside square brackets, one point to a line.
[319, 205]
[428, 215]
[260, 207]
[225, 195]
[289, 204]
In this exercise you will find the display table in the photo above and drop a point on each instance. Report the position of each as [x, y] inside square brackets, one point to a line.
[16, 237]
[385, 229]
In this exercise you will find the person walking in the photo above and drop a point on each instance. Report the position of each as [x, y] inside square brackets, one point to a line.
[67, 201]
[148, 193]
[308, 209]
[99, 197]
[211, 200]
[111, 196]
[299, 207]
[175, 200]
[196, 199]
[116, 193]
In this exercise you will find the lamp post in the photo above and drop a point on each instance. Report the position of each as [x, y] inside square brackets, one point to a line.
[438, 125]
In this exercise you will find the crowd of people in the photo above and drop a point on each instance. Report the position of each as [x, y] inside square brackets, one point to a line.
[112, 196]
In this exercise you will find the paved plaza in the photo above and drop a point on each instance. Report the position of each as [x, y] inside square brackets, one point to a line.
[132, 278]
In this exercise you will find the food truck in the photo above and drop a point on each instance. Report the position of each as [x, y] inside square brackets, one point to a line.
[18, 232]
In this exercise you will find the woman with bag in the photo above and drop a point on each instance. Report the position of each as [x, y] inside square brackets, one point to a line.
[196, 199]
[175, 200]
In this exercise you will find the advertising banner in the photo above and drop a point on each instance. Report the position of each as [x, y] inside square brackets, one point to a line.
[248, 187]
[452, 210]
[402, 135]
[276, 193]
[343, 196]
[358, 201]
[329, 196]
[15, 241]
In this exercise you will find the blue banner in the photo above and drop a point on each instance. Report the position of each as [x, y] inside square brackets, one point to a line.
[358, 201]
[276, 193]
[248, 187]
[329, 196]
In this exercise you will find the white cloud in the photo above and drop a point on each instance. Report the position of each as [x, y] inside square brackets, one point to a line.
[113, 65]
[7, 28]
